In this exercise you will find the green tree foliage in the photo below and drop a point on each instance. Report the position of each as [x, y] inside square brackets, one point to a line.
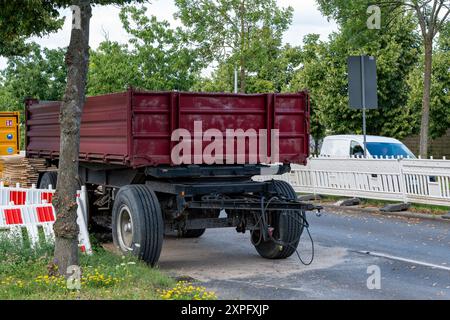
[440, 89]
[279, 66]
[220, 80]
[19, 22]
[431, 17]
[8, 101]
[312, 75]
[233, 31]
[324, 72]
[111, 69]
[156, 58]
[269, 71]
[41, 75]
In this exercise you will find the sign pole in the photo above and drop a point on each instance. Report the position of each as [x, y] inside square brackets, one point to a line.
[362, 88]
[363, 92]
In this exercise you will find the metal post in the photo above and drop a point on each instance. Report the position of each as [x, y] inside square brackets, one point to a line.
[365, 132]
[402, 181]
[363, 84]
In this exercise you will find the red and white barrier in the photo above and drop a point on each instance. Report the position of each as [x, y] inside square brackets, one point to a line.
[15, 217]
[21, 196]
[29, 217]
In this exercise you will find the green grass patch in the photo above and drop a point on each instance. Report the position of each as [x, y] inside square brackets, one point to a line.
[417, 208]
[24, 275]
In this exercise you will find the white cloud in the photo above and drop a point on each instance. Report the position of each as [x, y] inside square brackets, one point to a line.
[307, 19]
[105, 22]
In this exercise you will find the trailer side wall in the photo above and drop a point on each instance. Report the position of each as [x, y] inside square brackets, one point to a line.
[134, 128]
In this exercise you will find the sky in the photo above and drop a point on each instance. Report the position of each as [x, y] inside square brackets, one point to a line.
[105, 22]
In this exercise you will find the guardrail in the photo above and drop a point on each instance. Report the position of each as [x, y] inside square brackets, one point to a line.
[406, 180]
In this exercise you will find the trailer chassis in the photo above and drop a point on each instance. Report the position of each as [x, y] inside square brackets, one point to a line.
[191, 199]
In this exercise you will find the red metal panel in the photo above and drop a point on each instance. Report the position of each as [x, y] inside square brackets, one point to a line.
[43, 128]
[104, 129]
[134, 128]
[291, 113]
[151, 129]
[103, 134]
[222, 112]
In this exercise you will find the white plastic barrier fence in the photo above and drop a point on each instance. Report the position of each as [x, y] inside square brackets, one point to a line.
[32, 216]
[405, 180]
[22, 196]
[29, 217]
[83, 236]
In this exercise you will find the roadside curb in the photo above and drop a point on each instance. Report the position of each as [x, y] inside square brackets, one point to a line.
[405, 214]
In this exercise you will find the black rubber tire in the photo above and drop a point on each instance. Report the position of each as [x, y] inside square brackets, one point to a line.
[288, 229]
[147, 222]
[48, 178]
[197, 233]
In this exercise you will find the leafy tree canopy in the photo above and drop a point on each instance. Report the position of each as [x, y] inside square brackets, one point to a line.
[157, 57]
[324, 72]
[233, 30]
[22, 20]
[41, 74]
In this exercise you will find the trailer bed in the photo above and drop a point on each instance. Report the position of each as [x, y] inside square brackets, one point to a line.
[134, 128]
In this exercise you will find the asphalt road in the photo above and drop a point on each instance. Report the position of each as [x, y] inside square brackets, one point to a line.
[413, 257]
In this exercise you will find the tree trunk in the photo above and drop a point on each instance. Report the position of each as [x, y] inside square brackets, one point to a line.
[242, 58]
[425, 124]
[316, 146]
[243, 82]
[77, 59]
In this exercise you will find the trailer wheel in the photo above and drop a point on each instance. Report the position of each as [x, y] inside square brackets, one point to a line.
[197, 233]
[137, 223]
[48, 178]
[287, 229]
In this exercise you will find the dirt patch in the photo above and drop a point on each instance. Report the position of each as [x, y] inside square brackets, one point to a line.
[211, 259]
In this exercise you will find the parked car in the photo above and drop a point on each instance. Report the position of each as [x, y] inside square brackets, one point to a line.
[353, 145]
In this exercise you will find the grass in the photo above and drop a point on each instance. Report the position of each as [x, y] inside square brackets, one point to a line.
[24, 275]
[417, 208]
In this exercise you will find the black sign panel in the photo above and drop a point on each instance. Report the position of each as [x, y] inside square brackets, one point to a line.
[362, 82]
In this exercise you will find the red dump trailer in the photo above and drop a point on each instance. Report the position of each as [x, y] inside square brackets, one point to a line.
[156, 162]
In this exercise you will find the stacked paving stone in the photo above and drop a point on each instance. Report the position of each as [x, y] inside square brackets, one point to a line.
[18, 169]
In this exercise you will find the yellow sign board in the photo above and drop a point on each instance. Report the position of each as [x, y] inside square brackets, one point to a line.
[9, 133]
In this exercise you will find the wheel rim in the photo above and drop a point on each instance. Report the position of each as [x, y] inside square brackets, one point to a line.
[125, 229]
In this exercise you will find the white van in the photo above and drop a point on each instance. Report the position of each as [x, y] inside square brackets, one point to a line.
[353, 145]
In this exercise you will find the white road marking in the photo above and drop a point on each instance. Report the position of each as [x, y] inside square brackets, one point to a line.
[420, 263]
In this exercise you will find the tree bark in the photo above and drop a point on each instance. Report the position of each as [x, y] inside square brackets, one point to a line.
[242, 58]
[77, 59]
[243, 82]
[425, 124]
